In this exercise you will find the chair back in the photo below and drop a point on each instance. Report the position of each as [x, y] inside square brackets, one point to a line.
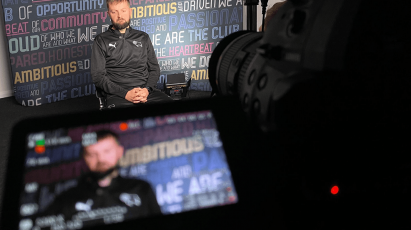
[102, 97]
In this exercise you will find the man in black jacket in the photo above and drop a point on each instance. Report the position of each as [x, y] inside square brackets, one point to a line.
[123, 62]
[102, 196]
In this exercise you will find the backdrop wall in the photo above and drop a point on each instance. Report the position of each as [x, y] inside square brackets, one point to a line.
[6, 88]
[5, 76]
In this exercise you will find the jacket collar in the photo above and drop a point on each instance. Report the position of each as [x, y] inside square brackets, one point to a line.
[118, 32]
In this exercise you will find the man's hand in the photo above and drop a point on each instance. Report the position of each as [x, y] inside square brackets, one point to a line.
[142, 94]
[131, 95]
[137, 95]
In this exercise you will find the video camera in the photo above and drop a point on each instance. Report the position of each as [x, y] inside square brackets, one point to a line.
[301, 107]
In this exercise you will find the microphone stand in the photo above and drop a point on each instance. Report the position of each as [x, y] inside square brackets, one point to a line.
[251, 14]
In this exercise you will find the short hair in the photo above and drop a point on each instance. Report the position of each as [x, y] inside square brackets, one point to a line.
[104, 133]
[101, 135]
[116, 1]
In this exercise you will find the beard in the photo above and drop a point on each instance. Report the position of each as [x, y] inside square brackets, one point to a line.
[95, 176]
[120, 26]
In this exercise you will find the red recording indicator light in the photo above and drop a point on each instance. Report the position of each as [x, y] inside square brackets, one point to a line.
[123, 126]
[40, 149]
[335, 190]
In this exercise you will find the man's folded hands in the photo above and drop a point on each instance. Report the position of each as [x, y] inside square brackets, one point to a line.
[137, 95]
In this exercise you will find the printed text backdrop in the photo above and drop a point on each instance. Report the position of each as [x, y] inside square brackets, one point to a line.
[50, 41]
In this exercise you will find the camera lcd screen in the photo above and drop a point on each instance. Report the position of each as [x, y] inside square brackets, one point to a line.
[113, 172]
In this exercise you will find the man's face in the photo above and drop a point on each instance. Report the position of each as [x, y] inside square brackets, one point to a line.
[120, 14]
[103, 155]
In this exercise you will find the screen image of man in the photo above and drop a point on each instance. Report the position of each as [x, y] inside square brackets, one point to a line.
[102, 193]
[123, 62]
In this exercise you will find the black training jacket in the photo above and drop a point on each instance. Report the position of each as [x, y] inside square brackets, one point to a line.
[92, 204]
[120, 63]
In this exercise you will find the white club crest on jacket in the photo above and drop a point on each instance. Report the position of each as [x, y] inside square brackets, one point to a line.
[138, 44]
[130, 199]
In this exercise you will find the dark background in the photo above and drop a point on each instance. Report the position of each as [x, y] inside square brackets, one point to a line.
[292, 176]
[11, 113]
